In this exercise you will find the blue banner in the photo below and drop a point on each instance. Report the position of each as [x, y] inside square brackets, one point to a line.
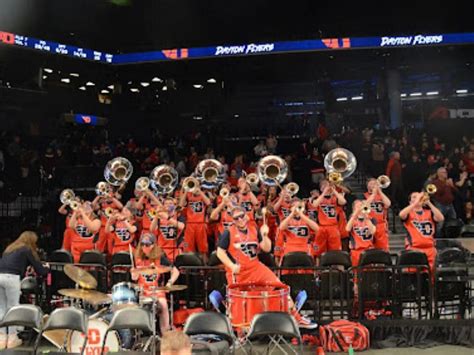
[85, 119]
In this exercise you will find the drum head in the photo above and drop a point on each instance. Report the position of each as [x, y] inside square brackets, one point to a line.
[96, 333]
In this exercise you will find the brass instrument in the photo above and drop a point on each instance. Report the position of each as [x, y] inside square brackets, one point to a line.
[335, 178]
[118, 171]
[224, 192]
[164, 179]
[366, 208]
[67, 196]
[108, 212]
[190, 184]
[210, 173]
[252, 179]
[341, 161]
[142, 184]
[272, 170]
[300, 207]
[74, 205]
[292, 188]
[383, 181]
[102, 188]
[430, 189]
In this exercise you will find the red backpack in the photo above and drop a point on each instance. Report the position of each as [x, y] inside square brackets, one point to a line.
[339, 335]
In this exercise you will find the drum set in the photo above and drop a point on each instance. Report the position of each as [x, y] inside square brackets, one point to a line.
[123, 295]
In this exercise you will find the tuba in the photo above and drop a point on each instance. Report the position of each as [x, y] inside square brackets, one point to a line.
[272, 170]
[102, 188]
[340, 161]
[67, 196]
[383, 181]
[210, 173]
[142, 184]
[118, 171]
[292, 188]
[190, 184]
[164, 179]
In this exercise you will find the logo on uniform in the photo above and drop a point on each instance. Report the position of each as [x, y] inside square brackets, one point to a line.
[247, 206]
[123, 234]
[248, 248]
[299, 231]
[329, 210]
[363, 232]
[83, 231]
[196, 206]
[377, 207]
[168, 232]
[425, 228]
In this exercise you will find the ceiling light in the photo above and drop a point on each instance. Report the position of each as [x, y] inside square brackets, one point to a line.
[164, 88]
[403, 95]
[236, 115]
[134, 90]
[211, 81]
[45, 77]
[156, 80]
[129, 83]
[145, 84]
[82, 88]
[66, 80]
[341, 99]
[416, 94]
[355, 98]
[105, 91]
[198, 86]
[461, 91]
[431, 93]
[111, 87]
[90, 83]
[197, 118]
[76, 75]
[48, 70]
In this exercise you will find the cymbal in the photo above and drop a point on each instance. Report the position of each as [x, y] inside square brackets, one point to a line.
[154, 270]
[93, 297]
[80, 276]
[172, 288]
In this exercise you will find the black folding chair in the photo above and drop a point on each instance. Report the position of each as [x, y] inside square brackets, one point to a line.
[210, 331]
[59, 280]
[375, 281]
[189, 265]
[99, 268]
[334, 290]
[23, 315]
[277, 329]
[298, 279]
[69, 318]
[452, 228]
[130, 318]
[467, 231]
[414, 284]
[120, 265]
[215, 278]
[268, 260]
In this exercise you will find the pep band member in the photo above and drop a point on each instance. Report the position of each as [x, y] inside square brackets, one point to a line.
[121, 231]
[328, 237]
[148, 255]
[361, 230]
[238, 249]
[420, 218]
[85, 226]
[16, 258]
[379, 205]
[247, 200]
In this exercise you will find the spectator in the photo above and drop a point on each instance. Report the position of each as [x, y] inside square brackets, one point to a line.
[468, 213]
[394, 172]
[271, 144]
[414, 174]
[260, 150]
[444, 197]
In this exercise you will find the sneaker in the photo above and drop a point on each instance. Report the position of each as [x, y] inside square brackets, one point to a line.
[304, 322]
[3, 341]
[13, 341]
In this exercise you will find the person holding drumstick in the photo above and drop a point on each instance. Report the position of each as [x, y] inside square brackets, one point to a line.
[238, 249]
[148, 256]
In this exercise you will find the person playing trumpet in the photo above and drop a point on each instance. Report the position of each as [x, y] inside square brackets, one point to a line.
[222, 211]
[420, 218]
[295, 232]
[85, 226]
[196, 202]
[247, 199]
[361, 229]
[120, 230]
[379, 204]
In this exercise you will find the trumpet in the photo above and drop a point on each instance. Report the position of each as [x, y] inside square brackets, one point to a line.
[224, 192]
[292, 188]
[142, 184]
[252, 179]
[383, 181]
[300, 207]
[366, 208]
[66, 196]
[190, 184]
[429, 190]
[335, 178]
[108, 212]
[74, 205]
[102, 188]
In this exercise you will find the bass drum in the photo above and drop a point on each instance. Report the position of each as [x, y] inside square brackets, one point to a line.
[96, 333]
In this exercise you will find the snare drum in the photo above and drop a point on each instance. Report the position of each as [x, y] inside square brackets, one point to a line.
[96, 333]
[245, 300]
[124, 294]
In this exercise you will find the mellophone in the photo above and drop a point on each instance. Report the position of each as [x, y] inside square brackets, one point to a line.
[124, 295]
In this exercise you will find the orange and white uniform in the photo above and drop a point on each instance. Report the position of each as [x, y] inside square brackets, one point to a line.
[169, 238]
[245, 202]
[120, 238]
[360, 239]
[148, 283]
[328, 236]
[81, 239]
[296, 237]
[195, 233]
[379, 214]
[421, 229]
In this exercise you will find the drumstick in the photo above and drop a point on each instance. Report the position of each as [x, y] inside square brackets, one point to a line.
[131, 255]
